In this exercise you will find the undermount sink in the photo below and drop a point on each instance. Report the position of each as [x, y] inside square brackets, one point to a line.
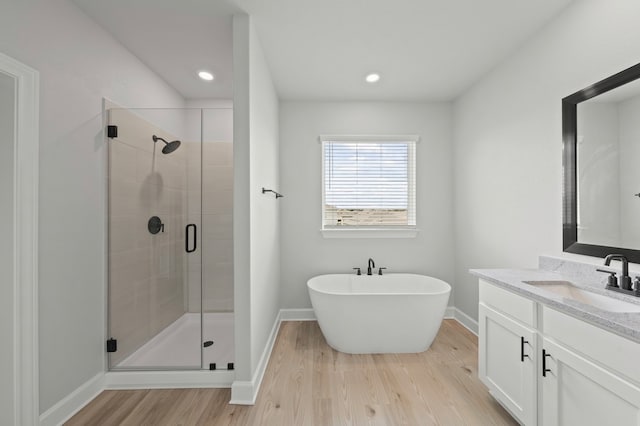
[570, 291]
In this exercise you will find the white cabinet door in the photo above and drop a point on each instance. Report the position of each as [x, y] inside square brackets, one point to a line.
[506, 363]
[576, 391]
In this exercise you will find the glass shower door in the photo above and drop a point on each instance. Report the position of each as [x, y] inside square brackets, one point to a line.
[217, 255]
[154, 224]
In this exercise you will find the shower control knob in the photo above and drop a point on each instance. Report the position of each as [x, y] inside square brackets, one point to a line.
[155, 225]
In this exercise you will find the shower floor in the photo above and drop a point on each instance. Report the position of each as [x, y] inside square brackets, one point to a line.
[179, 345]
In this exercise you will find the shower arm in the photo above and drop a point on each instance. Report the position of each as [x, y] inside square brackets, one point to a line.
[278, 195]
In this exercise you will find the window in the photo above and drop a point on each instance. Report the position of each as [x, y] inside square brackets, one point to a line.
[369, 183]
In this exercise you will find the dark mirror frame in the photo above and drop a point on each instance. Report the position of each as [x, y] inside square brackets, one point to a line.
[569, 164]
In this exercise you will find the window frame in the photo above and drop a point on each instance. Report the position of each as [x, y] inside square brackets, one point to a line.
[371, 231]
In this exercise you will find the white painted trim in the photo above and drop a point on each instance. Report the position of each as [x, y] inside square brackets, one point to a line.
[306, 314]
[369, 138]
[245, 392]
[169, 379]
[465, 320]
[242, 392]
[369, 233]
[74, 402]
[25, 240]
[468, 322]
[450, 312]
[409, 230]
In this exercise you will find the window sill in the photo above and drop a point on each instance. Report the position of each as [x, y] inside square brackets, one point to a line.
[369, 233]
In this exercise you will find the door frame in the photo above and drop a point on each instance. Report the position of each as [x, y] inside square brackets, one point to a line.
[25, 240]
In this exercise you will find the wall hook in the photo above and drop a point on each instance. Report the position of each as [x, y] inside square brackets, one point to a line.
[278, 195]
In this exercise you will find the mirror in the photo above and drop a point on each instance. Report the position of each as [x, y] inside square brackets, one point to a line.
[601, 199]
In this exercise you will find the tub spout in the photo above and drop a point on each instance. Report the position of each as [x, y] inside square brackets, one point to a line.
[370, 267]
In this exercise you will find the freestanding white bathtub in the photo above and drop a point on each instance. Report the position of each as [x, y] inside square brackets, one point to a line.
[392, 313]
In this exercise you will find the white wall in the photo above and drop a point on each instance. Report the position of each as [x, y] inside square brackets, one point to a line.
[256, 216]
[217, 123]
[79, 63]
[305, 252]
[241, 199]
[7, 321]
[265, 220]
[508, 139]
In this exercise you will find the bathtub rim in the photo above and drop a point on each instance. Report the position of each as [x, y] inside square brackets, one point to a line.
[447, 290]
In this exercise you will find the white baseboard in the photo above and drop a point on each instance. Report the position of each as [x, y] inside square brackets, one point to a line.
[75, 401]
[468, 322]
[72, 403]
[169, 379]
[450, 312]
[307, 314]
[245, 392]
[242, 392]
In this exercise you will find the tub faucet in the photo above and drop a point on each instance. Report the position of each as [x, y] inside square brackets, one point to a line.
[625, 280]
[371, 266]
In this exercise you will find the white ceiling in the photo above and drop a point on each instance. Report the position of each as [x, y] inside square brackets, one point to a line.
[175, 38]
[322, 49]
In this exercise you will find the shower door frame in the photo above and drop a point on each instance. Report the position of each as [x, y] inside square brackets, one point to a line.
[153, 378]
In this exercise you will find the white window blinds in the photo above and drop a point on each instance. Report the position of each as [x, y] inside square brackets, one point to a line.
[369, 182]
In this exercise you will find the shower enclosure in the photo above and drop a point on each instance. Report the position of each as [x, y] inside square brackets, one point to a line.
[170, 242]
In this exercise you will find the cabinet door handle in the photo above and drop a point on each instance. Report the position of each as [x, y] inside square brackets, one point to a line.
[522, 354]
[545, 370]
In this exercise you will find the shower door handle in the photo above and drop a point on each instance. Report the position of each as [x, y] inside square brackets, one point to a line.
[187, 243]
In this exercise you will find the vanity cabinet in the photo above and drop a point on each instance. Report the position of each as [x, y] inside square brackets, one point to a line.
[568, 373]
[577, 391]
[507, 351]
[593, 377]
[507, 363]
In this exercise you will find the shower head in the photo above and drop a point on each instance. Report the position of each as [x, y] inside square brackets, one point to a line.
[169, 146]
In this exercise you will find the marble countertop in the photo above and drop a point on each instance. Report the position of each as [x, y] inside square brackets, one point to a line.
[625, 324]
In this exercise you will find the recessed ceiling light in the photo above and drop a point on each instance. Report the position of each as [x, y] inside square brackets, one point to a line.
[205, 75]
[372, 78]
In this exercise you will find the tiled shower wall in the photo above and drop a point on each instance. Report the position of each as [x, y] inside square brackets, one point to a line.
[216, 232]
[146, 272]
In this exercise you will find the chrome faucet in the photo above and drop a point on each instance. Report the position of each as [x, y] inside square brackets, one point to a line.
[370, 266]
[625, 279]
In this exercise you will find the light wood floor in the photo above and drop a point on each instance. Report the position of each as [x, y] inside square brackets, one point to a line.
[308, 383]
